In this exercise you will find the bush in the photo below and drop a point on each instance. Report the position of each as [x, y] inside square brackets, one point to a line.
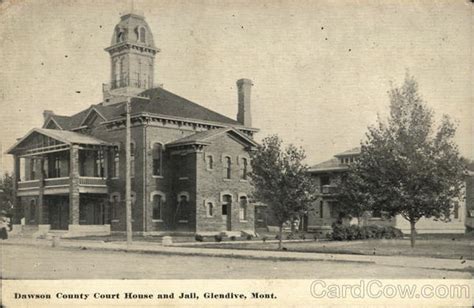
[199, 238]
[264, 238]
[232, 238]
[249, 237]
[218, 238]
[349, 233]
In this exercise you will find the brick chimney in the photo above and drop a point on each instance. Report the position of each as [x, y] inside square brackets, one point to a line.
[47, 113]
[244, 87]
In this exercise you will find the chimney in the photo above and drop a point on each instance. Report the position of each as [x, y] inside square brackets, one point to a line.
[244, 87]
[47, 113]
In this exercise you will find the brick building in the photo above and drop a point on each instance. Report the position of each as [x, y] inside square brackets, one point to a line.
[327, 174]
[189, 164]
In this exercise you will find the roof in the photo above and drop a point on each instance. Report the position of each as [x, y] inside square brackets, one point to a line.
[64, 136]
[203, 137]
[161, 102]
[353, 151]
[167, 103]
[330, 165]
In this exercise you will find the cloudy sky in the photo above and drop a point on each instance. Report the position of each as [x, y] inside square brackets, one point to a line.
[321, 69]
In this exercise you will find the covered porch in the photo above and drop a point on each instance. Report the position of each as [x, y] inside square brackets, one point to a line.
[60, 180]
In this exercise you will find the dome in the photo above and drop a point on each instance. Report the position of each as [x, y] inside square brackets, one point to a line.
[133, 28]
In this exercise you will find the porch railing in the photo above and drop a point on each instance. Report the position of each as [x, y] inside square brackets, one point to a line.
[28, 184]
[92, 181]
[63, 181]
[329, 189]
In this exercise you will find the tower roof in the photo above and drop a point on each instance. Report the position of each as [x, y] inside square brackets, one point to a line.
[133, 29]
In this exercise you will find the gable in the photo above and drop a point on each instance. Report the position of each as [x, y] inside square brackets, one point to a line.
[34, 140]
[92, 119]
[52, 124]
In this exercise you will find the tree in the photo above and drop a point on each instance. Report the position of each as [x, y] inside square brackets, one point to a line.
[407, 166]
[6, 187]
[281, 180]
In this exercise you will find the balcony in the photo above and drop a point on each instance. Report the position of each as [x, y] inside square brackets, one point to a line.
[329, 189]
[56, 186]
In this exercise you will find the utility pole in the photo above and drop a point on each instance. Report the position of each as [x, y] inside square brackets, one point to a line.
[128, 184]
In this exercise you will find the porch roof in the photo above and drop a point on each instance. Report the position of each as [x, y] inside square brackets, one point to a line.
[63, 136]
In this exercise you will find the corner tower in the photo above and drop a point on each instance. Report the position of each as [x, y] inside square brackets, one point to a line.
[132, 57]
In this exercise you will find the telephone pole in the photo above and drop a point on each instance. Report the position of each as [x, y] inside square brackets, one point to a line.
[128, 184]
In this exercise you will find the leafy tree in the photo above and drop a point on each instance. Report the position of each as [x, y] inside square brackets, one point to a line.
[407, 166]
[281, 180]
[6, 201]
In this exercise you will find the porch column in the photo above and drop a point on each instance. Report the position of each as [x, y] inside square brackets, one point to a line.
[42, 210]
[74, 185]
[18, 208]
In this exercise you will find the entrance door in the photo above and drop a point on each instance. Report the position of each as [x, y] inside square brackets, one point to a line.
[58, 213]
[226, 211]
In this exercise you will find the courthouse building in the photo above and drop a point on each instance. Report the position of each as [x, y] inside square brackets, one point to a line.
[189, 164]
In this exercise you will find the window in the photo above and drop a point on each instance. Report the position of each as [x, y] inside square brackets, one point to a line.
[244, 169]
[157, 207]
[227, 167]
[157, 159]
[99, 164]
[182, 209]
[116, 163]
[243, 208]
[209, 209]
[132, 159]
[120, 35]
[33, 169]
[142, 35]
[226, 204]
[209, 162]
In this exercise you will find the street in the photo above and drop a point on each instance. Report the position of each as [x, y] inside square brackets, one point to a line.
[28, 262]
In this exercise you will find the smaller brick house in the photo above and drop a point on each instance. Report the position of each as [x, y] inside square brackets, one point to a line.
[326, 212]
[189, 164]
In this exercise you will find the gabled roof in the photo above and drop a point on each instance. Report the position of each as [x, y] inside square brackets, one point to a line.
[92, 110]
[166, 103]
[160, 102]
[63, 136]
[205, 136]
[329, 165]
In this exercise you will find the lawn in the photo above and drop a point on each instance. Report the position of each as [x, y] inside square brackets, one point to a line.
[436, 246]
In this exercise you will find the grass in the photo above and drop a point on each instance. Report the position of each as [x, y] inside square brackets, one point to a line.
[435, 246]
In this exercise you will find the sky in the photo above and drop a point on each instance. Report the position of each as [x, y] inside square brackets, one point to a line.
[321, 69]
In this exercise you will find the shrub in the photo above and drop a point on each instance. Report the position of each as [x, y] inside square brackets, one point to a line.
[290, 236]
[199, 238]
[218, 238]
[349, 233]
[249, 237]
[303, 236]
[232, 238]
[277, 237]
[264, 238]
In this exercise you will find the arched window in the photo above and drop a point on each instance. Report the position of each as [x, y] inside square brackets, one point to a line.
[226, 204]
[142, 35]
[244, 169]
[157, 159]
[243, 208]
[157, 207]
[120, 35]
[209, 208]
[227, 167]
[209, 162]
[183, 207]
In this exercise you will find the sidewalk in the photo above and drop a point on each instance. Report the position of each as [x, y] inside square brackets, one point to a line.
[142, 247]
